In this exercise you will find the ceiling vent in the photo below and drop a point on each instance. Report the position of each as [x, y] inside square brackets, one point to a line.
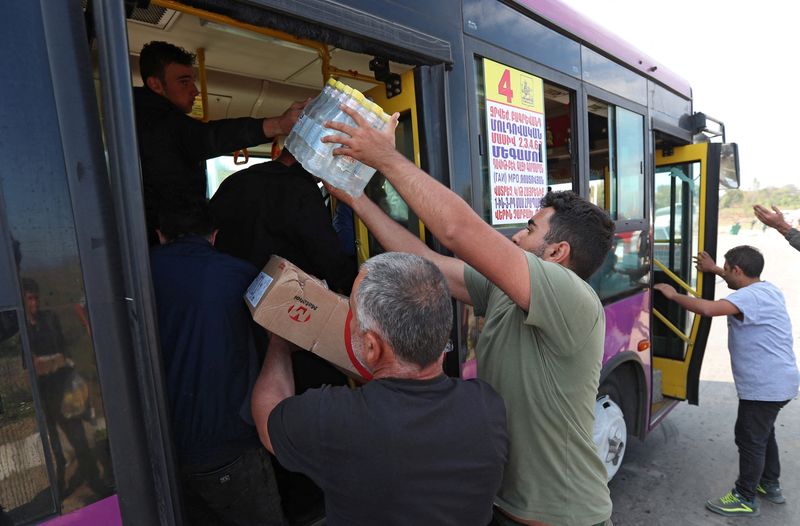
[154, 16]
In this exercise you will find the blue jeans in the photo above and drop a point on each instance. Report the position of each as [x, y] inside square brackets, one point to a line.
[242, 492]
[758, 451]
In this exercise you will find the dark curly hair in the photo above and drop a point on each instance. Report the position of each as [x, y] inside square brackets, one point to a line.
[585, 226]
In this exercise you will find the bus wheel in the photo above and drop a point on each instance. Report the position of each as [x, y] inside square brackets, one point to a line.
[610, 431]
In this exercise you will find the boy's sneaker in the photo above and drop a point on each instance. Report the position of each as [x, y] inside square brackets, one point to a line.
[733, 504]
[770, 491]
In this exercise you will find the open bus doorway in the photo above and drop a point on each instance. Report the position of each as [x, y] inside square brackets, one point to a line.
[255, 73]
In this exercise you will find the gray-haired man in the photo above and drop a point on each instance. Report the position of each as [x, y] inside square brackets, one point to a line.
[412, 446]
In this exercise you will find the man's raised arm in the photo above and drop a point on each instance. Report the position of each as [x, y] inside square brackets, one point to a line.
[444, 213]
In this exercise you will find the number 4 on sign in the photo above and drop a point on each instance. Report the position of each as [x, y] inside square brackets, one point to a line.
[504, 87]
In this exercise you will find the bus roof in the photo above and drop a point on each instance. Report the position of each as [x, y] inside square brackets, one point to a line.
[585, 30]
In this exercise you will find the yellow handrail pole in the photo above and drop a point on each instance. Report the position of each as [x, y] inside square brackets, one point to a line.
[672, 327]
[349, 73]
[676, 279]
[201, 66]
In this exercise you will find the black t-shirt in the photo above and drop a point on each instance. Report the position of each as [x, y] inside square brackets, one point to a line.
[173, 148]
[398, 451]
[270, 208]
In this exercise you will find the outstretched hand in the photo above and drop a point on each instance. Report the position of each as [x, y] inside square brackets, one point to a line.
[772, 219]
[363, 142]
[339, 195]
[704, 262]
[668, 291]
[289, 117]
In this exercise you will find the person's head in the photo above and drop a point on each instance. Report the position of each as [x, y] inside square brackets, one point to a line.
[402, 312]
[568, 230]
[30, 290]
[743, 265]
[180, 218]
[169, 71]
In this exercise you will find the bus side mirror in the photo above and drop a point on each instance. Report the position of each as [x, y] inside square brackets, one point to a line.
[729, 165]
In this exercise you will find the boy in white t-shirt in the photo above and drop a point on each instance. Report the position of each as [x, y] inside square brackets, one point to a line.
[764, 371]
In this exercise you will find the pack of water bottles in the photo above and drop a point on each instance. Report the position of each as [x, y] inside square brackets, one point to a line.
[304, 140]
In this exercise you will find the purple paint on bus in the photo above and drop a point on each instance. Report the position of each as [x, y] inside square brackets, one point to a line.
[596, 36]
[105, 512]
[628, 324]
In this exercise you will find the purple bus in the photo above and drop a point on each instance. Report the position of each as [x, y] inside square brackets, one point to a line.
[499, 100]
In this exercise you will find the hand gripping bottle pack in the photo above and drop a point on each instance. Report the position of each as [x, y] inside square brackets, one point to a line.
[304, 141]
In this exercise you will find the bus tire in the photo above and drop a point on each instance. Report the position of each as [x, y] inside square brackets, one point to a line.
[610, 430]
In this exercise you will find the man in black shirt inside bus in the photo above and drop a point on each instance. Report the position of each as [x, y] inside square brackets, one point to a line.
[173, 146]
[210, 363]
[276, 207]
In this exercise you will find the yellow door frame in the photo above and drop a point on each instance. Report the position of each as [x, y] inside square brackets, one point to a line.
[406, 101]
[675, 372]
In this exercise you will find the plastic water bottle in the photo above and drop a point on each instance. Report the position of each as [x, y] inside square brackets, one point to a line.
[321, 157]
[344, 163]
[327, 161]
[296, 141]
[305, 143]
[378, 120]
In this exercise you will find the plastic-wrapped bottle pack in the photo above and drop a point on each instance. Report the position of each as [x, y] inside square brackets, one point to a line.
[305, 143]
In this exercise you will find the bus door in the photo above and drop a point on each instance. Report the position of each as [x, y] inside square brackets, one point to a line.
[379, 189]
[684, 222]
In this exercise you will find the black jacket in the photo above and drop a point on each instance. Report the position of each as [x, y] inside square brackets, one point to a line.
[273, 209]
[173, 148]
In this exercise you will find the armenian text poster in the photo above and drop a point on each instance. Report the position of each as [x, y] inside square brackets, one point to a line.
[516, 142]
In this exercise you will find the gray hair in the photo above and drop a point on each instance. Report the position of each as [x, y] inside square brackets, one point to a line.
[405, 300]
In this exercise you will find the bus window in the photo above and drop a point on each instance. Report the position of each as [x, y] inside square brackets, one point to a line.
[676, 226]
[616, 160]
[558, 120]
[219, 168]
[25, 488]
[626, 267]
[630, 164]
[54, 344]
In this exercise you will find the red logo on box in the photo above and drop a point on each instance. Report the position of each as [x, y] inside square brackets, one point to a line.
[299, 313]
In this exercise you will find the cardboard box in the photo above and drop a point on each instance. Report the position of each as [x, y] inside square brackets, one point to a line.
[299, 308]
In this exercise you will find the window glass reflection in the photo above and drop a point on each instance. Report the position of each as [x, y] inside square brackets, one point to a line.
[675, 233]
[558, 122]
[505, 27]
[602, 168]
[626, 267]
[25, 492]
[64, 395]
[616, 160]
[630, 164]
[606, 74]
[58, 338]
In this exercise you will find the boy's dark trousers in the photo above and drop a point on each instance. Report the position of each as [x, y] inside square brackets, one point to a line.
[758, 451]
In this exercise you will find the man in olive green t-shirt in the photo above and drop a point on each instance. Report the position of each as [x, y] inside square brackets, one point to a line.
[542, 342]
[545, 363]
